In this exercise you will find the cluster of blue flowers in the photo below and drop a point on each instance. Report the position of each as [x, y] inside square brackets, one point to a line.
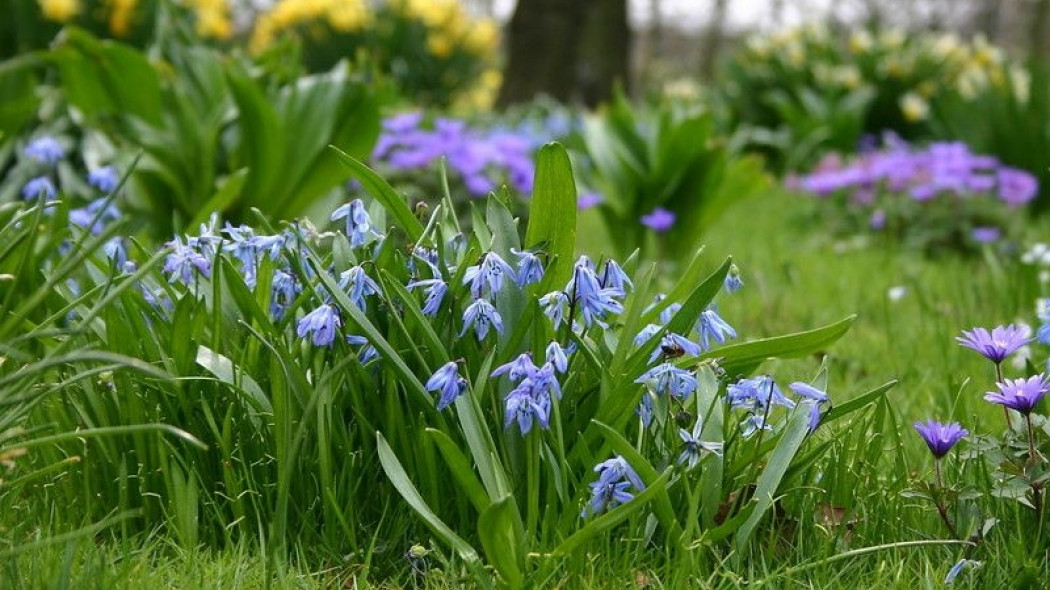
[46, 152]
[616, 479]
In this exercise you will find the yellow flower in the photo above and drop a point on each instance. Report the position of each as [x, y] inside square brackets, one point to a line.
[860, 42]
[914, 107]
[121, 12]
[482, 37]
[59, 10]
[439, 44]
[349, 16]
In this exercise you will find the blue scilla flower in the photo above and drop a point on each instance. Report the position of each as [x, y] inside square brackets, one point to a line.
[367, 352]
[585, 291]
[240, 244]
[97, 214]
[615, 478]
[646, 333]
[525, 407]
[756, 394]
[320, 325]
[558, 356]
[675, 346]
[358, 285]
[434, 290]
[358, 222]
[284, 289]
[517, 369]
[694, 447]
[753, 423]
[184, 262]
[667, 379]
[41, 185]
[613, 277]
[555, 305]
[669, 311]
[448, 383]
[530, 269]
[733, 282]
[491, 271]
[104, 179]
[710, 326]
[116, 251]
[46, 150]
[481, 315]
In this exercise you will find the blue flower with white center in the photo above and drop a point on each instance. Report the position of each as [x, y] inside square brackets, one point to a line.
[558, 356]
[517, 369]
[733, 282]
[711, 326]
[491, 271]
[613, 277]
[523, 407]
[694, 447]
[358, 222]
[320, 325]
[667, 379]
[555, 306]
[530, 269]
[448, 383]
[358, 285]
[756, 394]
[104, 179]
[41, 185]
[646, 333]
[674, 346]
[284, 290]
[481, 315]
[434, 291]
[46, 150]
[184, 262]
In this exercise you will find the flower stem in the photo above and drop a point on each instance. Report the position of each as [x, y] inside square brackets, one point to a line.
[1006, 410]
[939, 499]
[1037, 495]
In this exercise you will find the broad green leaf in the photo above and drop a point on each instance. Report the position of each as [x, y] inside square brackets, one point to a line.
[502, 537]
[742, 358]
[224, 370]
[795, 432]
[552, 214]
[396, 473]
[461, 470]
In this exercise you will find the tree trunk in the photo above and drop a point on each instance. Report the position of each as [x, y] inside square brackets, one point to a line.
[604, 52]
[541, 50]
[713, 38]
[570, 50]
[1037, 32]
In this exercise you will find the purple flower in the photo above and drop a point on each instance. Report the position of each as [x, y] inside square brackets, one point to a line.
[46, 150]
[1016, 187]
[660, 220]
[1020, 394]
[447, 381]
[558, 356]
[320, 325]
[613, 277]
[491, 271]
[183, 261]
[986, 235]
[554, 305]
[586, 292]
[667, 379]
[691, 454]
[756, 394]
[807, 391]
[710, 326]
[586, 200]
[517, 369]
[733, 282]
[357, 284]
[997, 345]
[939, 436]
[525, 408]
[530, 269]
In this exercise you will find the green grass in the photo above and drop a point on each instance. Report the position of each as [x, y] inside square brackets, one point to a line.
[796, 278]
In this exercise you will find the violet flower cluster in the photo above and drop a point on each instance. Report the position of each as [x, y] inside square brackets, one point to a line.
[876, 181]
[484, 159]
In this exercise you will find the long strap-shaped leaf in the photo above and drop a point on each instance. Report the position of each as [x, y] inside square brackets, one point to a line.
[379, 189]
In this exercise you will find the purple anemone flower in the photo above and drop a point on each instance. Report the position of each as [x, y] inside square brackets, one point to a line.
[1020, 394]
[940, 436]
[997, 345]
[660, 220]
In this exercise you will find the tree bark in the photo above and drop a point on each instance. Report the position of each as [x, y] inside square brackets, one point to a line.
[570, 50]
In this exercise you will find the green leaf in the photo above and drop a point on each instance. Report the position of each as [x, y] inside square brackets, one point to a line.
[769, 481]
[858, 403]
[224, 370]
[742, 358]
[396, 473]
[502, 537]
[461, 470]
[377, 187]
[552, 214]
